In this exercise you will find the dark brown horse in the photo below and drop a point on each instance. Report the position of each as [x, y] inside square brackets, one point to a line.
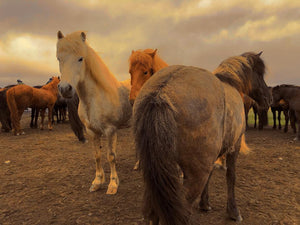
[291, 95]
[187, 117]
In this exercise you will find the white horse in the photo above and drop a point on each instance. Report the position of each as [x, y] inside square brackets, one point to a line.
[104, 101]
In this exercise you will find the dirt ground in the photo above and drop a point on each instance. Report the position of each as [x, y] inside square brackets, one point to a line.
[46, 175]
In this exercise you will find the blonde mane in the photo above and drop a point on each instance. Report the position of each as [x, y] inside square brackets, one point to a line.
[143, 57]
[235, 71]
[95, 67]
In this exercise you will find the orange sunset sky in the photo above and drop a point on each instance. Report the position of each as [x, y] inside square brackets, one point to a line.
[197, 32]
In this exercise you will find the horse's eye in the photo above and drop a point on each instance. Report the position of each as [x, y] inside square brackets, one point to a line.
[80, 59]
[146, 72]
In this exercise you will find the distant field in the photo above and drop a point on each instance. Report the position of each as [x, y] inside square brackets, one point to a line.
[270, 118]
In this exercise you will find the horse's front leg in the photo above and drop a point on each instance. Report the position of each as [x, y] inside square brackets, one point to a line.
[37, 111]
[42, 118]
[50, 110]
[100, 176]
[111, 156]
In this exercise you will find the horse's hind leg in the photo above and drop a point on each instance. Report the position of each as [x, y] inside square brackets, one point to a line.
[32, 116]
[37, 112]
[100, 176]
[50, 109]
[111, 156]
[204, 202]
[231, 158]
[287, 117]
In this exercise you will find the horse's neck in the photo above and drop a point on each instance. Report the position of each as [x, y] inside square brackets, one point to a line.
[51, 88]
[288, 92]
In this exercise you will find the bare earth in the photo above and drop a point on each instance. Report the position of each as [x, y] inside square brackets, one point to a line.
[45, 178]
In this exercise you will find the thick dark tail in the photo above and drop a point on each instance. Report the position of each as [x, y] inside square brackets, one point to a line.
[13, 108]
[155, 133]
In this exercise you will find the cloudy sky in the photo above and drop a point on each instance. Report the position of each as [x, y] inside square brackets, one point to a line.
[191, 32]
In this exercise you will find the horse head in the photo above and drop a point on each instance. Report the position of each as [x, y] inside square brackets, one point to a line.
[141, 68]
[259, 89]
[276, 94]
[72, 54]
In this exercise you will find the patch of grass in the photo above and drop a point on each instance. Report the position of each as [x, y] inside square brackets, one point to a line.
[270, 118]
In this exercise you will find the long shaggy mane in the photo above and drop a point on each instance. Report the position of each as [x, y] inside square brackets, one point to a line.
[238, 71]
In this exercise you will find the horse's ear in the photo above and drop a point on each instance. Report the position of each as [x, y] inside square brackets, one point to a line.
[132, 51]
[152, 54]
[83, 36]
[259, 54]
[60, 35]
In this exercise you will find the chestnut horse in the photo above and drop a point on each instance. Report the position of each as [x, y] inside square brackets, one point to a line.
[189, 117]
[291, 95]
[23, 96]
[142, 65]
[104, 101]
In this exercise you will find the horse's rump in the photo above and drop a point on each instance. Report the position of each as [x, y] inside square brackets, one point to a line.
[179, 118]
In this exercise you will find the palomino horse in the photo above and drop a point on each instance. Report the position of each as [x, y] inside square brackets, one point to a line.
[104, 104]
[291, 95]
[186, 116]
[23, 96]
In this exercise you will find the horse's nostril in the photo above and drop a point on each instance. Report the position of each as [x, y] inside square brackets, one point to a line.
[70, 87]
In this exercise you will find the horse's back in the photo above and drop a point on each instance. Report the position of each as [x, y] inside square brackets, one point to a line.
[22, 95]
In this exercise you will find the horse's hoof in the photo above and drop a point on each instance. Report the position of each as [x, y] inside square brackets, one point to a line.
[236, 216]
[296, 139]
[22, 133]
[137, 165]
[220, 167]
[205, 207]
[112, 190]
[95, 187]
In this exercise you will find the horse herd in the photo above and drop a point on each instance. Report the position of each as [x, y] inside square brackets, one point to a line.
[183, 118]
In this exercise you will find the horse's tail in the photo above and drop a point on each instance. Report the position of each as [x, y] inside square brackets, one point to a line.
[244, 148]
[155, 133]
[13, 108]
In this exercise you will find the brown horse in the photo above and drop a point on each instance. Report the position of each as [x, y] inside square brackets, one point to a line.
[142, 65]
[186, 116]
[291, 95]
[23, 96]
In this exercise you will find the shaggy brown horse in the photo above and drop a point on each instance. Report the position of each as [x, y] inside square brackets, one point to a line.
[173, 126]
[23, 96]
[291, 95]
